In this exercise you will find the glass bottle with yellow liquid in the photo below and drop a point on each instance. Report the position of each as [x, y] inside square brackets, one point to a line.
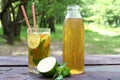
[73, 40]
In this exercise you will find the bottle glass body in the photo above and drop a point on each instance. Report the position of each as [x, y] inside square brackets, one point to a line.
[73, 40]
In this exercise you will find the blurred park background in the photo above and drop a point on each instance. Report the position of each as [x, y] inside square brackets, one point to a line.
[101, 20]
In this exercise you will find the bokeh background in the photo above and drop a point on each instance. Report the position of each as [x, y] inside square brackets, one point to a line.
[101, 21]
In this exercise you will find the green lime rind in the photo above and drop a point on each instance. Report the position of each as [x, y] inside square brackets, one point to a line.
[47, 66]
[51, 72]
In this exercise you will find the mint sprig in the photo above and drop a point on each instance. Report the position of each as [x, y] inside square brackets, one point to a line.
[61, 72]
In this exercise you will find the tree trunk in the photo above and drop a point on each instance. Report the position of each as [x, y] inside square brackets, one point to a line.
[47, 22]
[6, 22]
[51, 23]
[43, 21]
[18, 24]
[11, 24]
[10, 37]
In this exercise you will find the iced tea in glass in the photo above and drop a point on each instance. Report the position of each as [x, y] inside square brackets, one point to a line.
[38, 46]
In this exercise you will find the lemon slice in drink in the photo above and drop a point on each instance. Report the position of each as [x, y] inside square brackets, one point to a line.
[33, 40]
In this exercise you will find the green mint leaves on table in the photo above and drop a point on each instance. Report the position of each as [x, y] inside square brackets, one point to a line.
[61, 72]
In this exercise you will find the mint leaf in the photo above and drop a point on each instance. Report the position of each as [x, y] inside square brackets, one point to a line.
[56, 73]
[60, 77]
[66, 72]
[41, 43]
[62, 66]
[62, 71]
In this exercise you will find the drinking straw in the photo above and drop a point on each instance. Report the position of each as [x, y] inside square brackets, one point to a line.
[25, 16]
[34, 17]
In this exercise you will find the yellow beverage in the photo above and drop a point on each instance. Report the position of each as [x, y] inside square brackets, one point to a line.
[38, 48]
[73, 44]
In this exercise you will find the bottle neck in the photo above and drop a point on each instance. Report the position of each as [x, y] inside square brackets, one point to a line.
[73, 14]
[73, 11]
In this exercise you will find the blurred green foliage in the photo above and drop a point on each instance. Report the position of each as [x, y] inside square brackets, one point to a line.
[102, 12]
[47, 8]
[98, 11]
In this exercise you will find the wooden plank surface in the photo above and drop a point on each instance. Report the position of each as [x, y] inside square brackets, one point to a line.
[21, 73]
[98, 67]
[13, 60]
[89, 60]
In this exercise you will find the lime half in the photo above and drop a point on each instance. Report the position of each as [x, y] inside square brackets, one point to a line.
[33, 40]
[47, 66]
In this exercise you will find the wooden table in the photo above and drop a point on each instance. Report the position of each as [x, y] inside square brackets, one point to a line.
[97, 67]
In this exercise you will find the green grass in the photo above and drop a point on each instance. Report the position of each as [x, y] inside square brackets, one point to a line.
[23, 33]
[57, 35]
[99, 39]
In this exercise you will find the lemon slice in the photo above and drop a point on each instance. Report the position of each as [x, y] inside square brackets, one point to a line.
[33, 40]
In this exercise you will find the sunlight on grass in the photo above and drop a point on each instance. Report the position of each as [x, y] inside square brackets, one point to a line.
[102, 39]
[0, 25]
[103, 30]
[117, 50]
[99, 39]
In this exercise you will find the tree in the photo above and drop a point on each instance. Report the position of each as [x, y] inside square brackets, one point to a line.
[51, 11]
[10, 18]
[47, 11]
[102, 11]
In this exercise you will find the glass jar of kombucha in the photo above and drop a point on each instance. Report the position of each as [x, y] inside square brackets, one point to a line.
[73, 40]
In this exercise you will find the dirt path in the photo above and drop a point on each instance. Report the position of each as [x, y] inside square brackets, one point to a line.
[21, 49]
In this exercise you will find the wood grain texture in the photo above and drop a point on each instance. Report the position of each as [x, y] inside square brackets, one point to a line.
[21, 73]
[89, 60]
[97, 67]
